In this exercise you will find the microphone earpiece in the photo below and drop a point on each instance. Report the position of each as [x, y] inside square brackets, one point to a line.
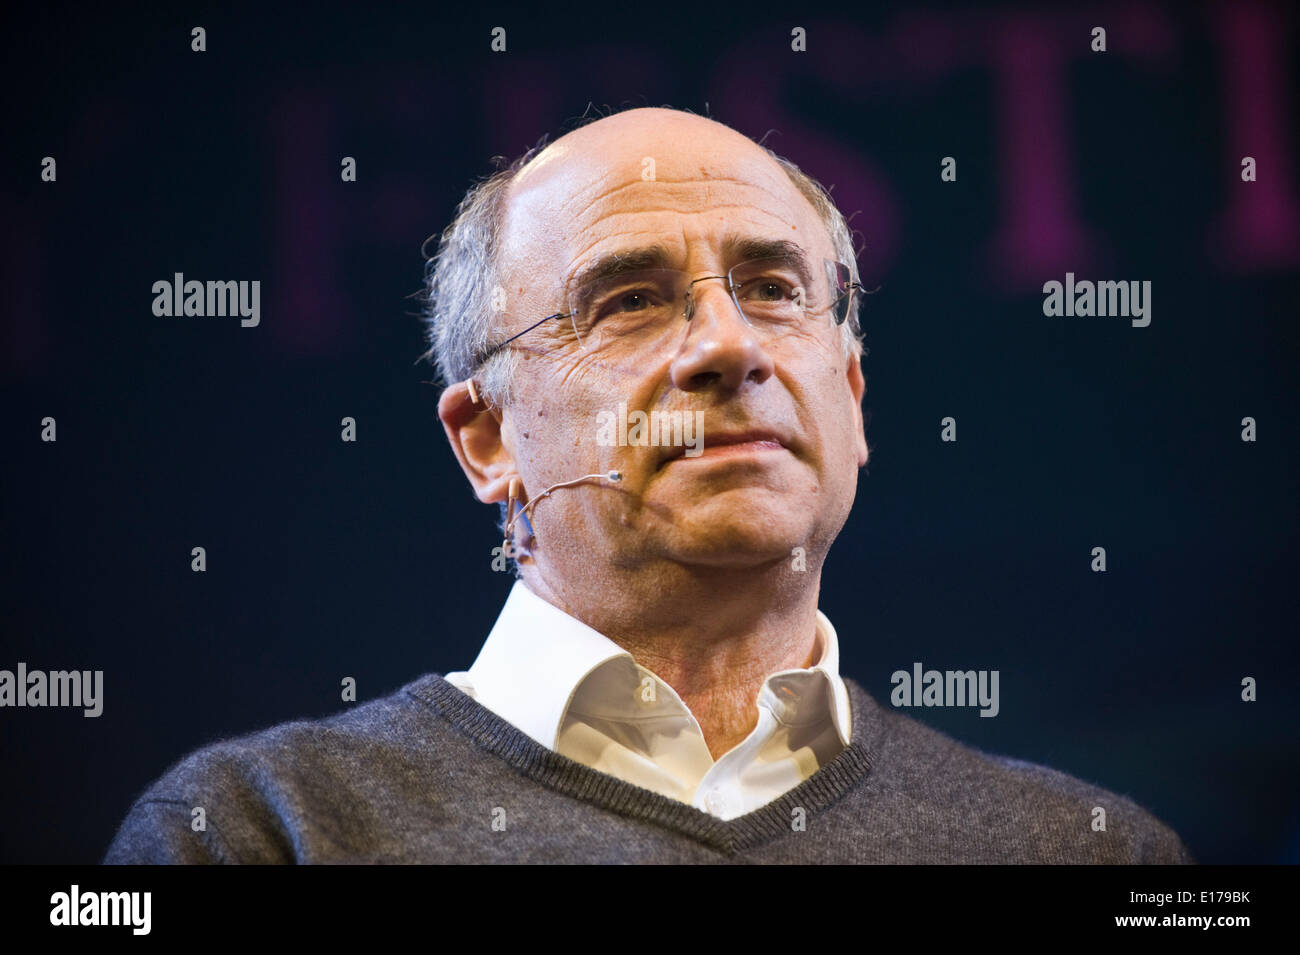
[515, 484]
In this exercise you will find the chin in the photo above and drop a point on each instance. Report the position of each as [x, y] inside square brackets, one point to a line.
[746, 543]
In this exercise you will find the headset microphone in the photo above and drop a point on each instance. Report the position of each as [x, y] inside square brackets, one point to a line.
[614, 476]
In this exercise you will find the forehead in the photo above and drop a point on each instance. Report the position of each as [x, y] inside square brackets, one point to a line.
[650, 177]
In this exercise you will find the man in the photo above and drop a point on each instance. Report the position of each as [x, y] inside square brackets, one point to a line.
[650, 331]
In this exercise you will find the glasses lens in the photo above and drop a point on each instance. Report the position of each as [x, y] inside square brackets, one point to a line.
[636, 308]
[840, 281]
[775, 291]
[629, 308]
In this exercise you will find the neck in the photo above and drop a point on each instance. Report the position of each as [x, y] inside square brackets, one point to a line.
[713, 634]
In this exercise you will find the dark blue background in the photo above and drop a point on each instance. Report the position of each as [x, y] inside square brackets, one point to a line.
[371, 559]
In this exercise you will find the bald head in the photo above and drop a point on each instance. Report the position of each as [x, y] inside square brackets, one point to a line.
[675, 139]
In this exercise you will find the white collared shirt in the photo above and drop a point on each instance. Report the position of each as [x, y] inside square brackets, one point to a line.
[581, 695]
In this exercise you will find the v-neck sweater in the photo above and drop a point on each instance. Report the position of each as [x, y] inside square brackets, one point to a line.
[428, 775]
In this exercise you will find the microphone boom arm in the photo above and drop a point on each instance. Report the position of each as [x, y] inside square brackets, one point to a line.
[614, 476]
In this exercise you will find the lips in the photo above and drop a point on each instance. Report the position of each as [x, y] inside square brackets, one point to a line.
[759, 438]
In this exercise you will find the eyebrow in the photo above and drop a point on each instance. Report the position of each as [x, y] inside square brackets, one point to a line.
[625, 260]
[735, 248]
[738, 248]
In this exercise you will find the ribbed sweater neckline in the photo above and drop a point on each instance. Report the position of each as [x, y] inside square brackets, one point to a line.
[529, 757]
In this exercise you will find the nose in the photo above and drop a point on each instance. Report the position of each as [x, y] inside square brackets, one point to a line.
[721, 348]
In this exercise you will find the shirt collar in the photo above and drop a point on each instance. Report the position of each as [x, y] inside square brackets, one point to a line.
[534, 660]
[537, 657]
[794, 686]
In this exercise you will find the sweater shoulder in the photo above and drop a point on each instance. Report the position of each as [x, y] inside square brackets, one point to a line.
[227, 800]
[376, 725]
[1010, 809]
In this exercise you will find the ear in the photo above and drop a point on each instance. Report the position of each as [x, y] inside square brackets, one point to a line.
[474, 432]
[858, 388]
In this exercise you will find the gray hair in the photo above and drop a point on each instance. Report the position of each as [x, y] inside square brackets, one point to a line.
[461, 276]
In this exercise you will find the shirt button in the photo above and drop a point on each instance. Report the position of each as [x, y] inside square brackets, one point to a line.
[716, 802]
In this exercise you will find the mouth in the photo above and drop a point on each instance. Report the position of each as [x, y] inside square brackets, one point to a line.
[729, 444]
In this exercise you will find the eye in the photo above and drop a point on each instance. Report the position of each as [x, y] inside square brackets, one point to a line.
[770, 290]
[632, 302]
[629, 301]
[767, 289]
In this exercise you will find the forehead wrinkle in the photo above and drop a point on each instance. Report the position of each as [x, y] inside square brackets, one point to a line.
[595, 171]
[635, 234]
[546, 233]
[667, 236]
[726, 206]
[801, 213]
[697, 181]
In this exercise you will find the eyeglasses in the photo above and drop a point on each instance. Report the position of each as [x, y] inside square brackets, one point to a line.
[636, 308]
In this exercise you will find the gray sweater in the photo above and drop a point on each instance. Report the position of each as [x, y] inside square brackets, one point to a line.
[429, 775]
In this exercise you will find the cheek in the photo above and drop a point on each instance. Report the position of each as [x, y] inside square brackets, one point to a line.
[815, 342]
[597, 377]
[831, 412]
[554, 420]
